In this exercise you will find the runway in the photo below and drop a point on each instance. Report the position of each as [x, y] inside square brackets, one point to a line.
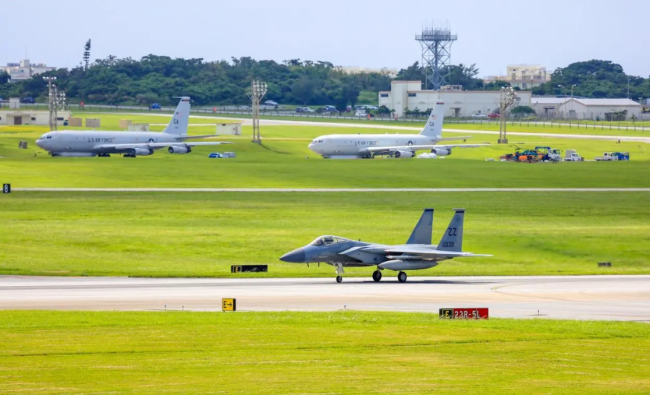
[623, 298]
[330, 190]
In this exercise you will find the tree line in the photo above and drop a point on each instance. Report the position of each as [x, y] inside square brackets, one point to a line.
[161, 78]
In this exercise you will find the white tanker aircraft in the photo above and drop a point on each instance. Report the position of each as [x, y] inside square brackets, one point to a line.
[353, 146]
[131, 144]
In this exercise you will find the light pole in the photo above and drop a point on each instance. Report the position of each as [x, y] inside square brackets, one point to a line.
[258, 90]
[572, 112]
[507, 100]
[563, 89]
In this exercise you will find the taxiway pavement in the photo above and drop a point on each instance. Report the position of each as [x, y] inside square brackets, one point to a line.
[625, 298]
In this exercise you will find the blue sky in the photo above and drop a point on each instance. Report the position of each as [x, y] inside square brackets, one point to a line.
[378, 33]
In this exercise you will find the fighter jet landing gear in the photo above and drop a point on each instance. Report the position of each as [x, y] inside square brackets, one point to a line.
[401, 277]
[339, 271]
[376, 276]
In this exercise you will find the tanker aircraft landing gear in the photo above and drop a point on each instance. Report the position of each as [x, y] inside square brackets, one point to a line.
[103, 155]
[339, 271]
[401, 277]
[376, 276]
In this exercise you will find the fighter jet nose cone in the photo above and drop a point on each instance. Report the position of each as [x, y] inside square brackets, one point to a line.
[295, 256]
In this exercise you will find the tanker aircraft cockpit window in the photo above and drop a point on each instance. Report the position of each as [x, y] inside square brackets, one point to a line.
[327, 240]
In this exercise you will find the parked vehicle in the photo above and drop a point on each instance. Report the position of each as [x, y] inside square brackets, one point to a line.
[478, 116]
[304, 109]
[330, 109]
[572, 156]
[28, 100]
[155, 106]
[229, 155]
[613, 156]
[494, 115]
[215, 155]
[271, 103]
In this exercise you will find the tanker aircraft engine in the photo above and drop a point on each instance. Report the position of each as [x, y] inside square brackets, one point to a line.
[418, 253]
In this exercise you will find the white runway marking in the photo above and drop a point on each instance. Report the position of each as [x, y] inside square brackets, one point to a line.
[624, 298]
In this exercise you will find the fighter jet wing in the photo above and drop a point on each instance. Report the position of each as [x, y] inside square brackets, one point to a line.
[157, 145]
[421, 147]
[430, 253]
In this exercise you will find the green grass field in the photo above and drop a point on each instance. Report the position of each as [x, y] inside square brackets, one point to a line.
[178, 234]
[203, 234]
[316, 353]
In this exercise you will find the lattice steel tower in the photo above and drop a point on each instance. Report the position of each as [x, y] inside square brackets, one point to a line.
[436, 54]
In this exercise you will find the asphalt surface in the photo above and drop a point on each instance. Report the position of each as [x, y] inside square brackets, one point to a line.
[624, 298]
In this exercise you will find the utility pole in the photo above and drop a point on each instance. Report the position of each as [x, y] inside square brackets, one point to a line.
[507, 100]
[51, 100]
[628, 87]
[258, 90]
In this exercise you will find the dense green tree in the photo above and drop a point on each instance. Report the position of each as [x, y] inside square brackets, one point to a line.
[594, 79]
[4, 77]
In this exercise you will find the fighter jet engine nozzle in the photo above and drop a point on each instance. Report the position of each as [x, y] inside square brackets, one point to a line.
[404, 154]
[177, 149]
[441, 151]
[399, 265]
[142, 151]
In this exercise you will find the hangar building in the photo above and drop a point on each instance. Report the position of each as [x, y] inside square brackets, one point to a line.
[579, 108]
[459, 103]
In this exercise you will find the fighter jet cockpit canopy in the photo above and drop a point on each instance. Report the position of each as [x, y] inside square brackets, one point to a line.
[328, 240]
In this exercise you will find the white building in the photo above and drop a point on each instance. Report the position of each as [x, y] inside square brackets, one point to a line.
[25, 70]
[578, 108]
[458, 103]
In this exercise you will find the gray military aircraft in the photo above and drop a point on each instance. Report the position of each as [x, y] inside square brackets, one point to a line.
[418, 252]
[131, 144]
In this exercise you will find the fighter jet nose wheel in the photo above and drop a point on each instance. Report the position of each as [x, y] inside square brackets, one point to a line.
[339, 279]
[376, 276]
[401, 277]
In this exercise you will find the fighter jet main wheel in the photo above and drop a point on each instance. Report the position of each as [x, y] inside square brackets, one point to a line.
[376, 276]
[339, 279]
[401, 277]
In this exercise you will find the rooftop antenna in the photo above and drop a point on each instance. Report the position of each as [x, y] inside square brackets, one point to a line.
[435, 40]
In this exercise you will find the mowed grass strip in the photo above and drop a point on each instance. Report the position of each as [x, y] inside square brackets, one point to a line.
[203, 234]
[316, 353]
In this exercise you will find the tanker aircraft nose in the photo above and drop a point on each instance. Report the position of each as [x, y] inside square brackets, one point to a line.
[295, 256]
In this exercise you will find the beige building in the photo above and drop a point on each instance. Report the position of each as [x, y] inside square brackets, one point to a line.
[391, 72]
[458, 103]
[26, 117]
[522, 76]
[578, 108]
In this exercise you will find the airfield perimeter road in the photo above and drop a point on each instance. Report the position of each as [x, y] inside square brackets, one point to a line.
[624, 298]
[371, 125]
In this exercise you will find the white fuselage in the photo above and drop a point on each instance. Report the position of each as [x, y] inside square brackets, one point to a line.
[91, 141]
[358, 144]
